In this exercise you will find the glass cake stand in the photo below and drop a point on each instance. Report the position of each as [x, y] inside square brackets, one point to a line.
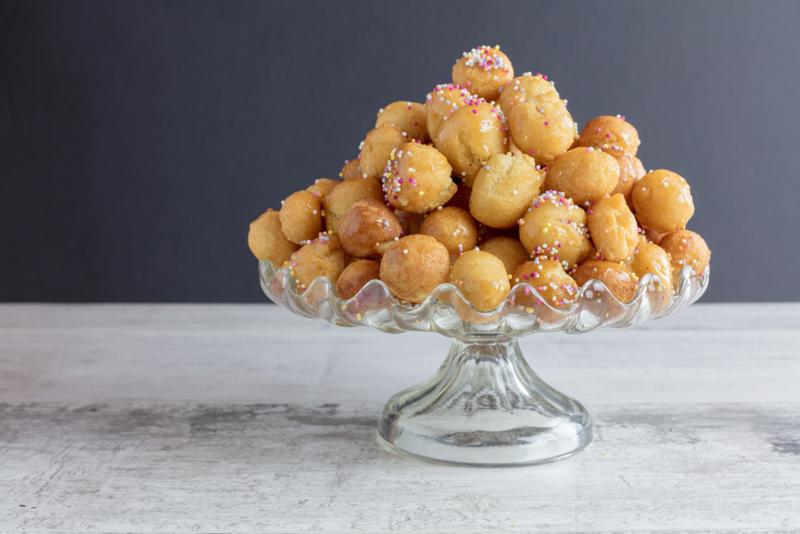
[484, 406]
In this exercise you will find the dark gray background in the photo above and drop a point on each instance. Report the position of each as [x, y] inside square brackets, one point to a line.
[138, 139]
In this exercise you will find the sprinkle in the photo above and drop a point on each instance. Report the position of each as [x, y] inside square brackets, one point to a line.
[486, 58]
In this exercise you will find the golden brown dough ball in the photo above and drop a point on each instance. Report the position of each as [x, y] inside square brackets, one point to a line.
[377, 147]
[613, 228]
[413, 266]
[503, 189]
[621, 281]
[366, 226]
[542, 129]
[452, 227]
[301, 216]
[650, 258]
[266, 240]
[526, 88]
[440, 103]
[355, 276]
[483, 71]
[474, 133]
[408, 117]
[555, 227]
[610, 134]
[686, 248]
[482, 278]
[549, 279]
[351, 170]
[630, 171]
[417, 178]
[508, 249]
[322, 186]
[321, 257]
[584, 174]
[345, 195]
[663, 201]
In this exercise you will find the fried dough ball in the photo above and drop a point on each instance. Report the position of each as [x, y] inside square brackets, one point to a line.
[526, 88]
[610, 134]
[663, 201]
[322, 186]
[461, 198]
[621, 281]
[650, 258]
[509, 250]
[686, 248]
[440, 103]
[321, 257]
[555, 227]
[483, 71]
[413, 266]
[377, 147]
[301, 216]
[474, 133]
[351, 170]
[503, 189]
[584, 174]
[408, 117]
[549, 279]
[630, 171]
[344, 195]
[417, 178]
[452, 227]
[355, 276]
[542, 129]
[266, 239]
[366, 226]
[482, 278]
[613, 228]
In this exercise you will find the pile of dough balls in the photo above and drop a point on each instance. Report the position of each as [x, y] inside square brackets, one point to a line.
[487, 184]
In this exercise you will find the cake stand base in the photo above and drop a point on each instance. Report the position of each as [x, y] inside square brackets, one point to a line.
[485, 406]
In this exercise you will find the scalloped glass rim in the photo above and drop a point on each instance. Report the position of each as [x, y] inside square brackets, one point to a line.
[448, 312]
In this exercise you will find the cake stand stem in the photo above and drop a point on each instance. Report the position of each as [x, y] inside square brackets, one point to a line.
[485, 406]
